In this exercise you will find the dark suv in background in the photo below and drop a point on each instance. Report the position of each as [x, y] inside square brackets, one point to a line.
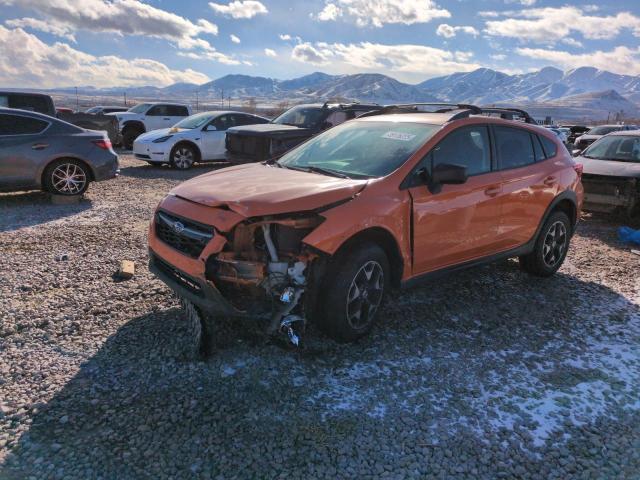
[256, 143]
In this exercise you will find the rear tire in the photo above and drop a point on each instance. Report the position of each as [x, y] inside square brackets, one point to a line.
[551, 247]
[67, 177]
[355, 285]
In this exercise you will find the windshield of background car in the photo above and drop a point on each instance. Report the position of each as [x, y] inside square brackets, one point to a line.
[303, 117]
[93, 110]
[194, 121]
[143, 107]
[366, 149]
[602, 130]
[619, 147]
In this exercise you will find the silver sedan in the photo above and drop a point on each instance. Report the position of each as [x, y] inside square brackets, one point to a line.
[42, 152]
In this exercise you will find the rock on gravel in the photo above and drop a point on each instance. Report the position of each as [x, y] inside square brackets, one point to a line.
[488, 374]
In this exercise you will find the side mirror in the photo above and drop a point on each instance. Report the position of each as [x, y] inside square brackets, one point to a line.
[210, 128]
[448, 173]
[576, 153]
[326, 125]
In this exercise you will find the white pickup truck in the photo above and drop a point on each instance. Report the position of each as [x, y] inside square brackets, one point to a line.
[146, 117]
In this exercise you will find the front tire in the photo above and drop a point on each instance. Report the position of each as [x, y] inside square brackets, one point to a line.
[67, 177]
[356, 283]
[129, 136]
[182, 157]
[551, 247]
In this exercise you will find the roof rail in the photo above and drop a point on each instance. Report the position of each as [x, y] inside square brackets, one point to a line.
[509, 113]
[413, 108]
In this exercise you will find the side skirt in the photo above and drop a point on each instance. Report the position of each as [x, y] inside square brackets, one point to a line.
[443, 272]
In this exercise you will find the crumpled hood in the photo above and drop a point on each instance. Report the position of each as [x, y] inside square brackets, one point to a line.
[609, 168]
[254, 190]
[588, 137]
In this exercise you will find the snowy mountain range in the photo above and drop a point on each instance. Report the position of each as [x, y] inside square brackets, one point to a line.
[585, 92]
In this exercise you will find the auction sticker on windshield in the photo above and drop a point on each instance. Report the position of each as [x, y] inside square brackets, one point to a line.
[405, 137]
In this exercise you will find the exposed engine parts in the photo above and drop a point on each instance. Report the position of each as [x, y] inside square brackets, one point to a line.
[267, 260]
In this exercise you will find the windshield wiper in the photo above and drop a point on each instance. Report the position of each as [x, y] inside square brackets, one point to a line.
[327, 171]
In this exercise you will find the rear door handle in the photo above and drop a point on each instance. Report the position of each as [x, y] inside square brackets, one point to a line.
[166, 118]
[39, 146]
[492, 191]
[550, 181]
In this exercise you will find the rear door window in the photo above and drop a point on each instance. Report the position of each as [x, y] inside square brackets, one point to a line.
[467, 146]
[177, 111]
[19, 125]
[514, 148]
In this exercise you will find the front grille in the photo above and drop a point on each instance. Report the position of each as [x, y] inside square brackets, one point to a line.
[183, 235]
[582, 144]
[607, 185]
[248, 146]
[177, 276]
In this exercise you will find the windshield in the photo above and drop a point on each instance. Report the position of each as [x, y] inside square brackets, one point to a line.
[361, 149]
[140, 108]
[93, 110]
[194, 121]
[303, 117]
[603, 130]
[622, 148]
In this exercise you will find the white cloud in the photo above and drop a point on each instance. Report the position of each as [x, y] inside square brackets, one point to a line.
[26, 61]
[307, 53]
[498, 56]
[234, 38]
[285, 36]
[212, 54]
[61, 31]
[329, 12]
[412, 60]
[572, 42]
[270, 52]
[380, 12]
[240, 8]
[623, 60]
[447, 31]
[123, 17]
[550, 25]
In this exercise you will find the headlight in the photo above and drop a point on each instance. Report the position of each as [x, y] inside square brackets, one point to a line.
[162, 139]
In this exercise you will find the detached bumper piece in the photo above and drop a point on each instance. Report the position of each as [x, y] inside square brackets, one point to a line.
[198, 292]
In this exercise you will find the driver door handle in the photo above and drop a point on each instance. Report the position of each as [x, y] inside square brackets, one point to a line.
[493, 191]
[39, 146]
[166, 118]
[550, 181]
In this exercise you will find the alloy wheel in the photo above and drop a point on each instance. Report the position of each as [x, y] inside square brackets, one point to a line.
[365, 294]
[555, 244]
[183, 158]
[68, 179]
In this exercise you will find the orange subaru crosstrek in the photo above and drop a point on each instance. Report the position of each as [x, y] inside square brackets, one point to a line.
[396, 196]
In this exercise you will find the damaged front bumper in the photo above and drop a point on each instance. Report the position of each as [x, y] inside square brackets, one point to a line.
[255, 268]
[199, 292]
[608, 194]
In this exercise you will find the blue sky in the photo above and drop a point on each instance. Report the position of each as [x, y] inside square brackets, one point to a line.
[46, 43]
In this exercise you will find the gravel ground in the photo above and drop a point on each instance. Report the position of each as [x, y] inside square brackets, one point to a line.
[488, 374]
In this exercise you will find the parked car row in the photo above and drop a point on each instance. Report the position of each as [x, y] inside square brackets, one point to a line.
[336, 204]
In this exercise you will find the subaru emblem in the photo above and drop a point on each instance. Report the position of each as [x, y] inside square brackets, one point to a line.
[178, 227]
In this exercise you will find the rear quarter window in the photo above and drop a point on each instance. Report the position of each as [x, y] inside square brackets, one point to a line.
[550, 147]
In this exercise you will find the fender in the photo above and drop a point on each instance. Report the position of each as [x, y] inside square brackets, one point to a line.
[135, 124]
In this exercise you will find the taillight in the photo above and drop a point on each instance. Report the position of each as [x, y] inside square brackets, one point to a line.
[578, 167]
[104, 144]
